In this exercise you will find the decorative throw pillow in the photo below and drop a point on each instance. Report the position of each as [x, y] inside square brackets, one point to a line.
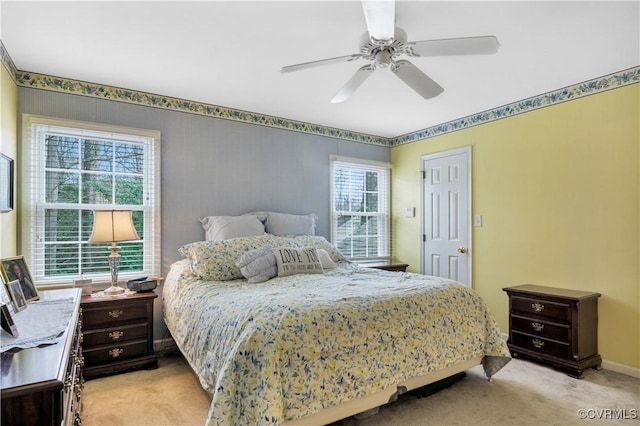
[325, 259]
[258, 265]
[292, 261]
[219, 228]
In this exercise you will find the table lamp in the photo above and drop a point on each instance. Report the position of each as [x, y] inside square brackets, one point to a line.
[112, 226]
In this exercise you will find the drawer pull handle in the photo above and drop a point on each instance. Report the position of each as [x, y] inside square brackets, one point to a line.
[538, 307]
[537, 326]
[115, 352]
[115, 335]
[115, 314]
[537, 343]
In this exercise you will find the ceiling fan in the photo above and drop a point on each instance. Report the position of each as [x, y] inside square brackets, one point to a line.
[384, 43]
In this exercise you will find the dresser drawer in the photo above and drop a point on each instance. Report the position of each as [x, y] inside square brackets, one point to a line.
[541, 345]
[113, 335]
[115, 352]
[95, 317]
[543, 308]
[540, 328]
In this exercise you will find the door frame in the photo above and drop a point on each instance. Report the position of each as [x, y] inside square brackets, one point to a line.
[440, 154]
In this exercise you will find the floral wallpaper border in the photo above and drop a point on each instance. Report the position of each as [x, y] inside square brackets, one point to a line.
[590, 87]
[47, 82]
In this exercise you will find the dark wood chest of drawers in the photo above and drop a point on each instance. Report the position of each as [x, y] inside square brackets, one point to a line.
[118, 333]
[43, 385]
[555, 326]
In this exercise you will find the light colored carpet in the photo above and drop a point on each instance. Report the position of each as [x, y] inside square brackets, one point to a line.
[523, 393]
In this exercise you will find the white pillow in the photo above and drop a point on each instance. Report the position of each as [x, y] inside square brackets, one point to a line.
[325, 259]
[258, 265]
[297, 261]
[218, 228]
[291, 224]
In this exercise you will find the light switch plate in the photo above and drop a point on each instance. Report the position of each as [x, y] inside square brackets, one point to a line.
[409, 212]
[477, 220]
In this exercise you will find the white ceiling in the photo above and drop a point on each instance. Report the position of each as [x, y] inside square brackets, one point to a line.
[229, 53]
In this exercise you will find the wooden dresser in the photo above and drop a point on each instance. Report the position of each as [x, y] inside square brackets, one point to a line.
[118, 333]
[554, 326]
[43, 386]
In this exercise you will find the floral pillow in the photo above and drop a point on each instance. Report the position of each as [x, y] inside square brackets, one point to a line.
[216, 260]
[314, 241]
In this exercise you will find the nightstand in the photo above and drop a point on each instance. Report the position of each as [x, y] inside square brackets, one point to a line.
[118, 333]
[397, 267]
[554, 326]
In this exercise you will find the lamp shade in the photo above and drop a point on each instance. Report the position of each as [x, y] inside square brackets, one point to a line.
[113, 225]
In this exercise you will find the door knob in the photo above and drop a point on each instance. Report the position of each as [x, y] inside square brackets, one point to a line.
[462, 249]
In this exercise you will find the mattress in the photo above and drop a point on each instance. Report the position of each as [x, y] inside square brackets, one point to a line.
[293, 346]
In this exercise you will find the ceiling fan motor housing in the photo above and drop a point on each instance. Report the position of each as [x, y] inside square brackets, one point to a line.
[383, 54]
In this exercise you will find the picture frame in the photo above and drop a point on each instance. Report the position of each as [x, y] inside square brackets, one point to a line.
[5, 298]
[17, 295]
[15, 268]
[6, 184]
[7, 321]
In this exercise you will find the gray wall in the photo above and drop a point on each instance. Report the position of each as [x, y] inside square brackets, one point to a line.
[212, 166]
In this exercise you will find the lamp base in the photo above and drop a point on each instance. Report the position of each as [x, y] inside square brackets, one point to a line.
[114, 290]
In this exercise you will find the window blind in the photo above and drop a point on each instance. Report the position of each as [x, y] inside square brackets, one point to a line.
[72, 169]
[360, 208]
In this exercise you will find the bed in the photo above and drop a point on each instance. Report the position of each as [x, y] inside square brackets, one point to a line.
[312, 348]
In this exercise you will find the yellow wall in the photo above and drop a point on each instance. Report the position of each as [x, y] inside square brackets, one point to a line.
[558, 189]
[9, 147]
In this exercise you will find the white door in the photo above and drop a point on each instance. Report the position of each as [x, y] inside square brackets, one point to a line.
[446, 214]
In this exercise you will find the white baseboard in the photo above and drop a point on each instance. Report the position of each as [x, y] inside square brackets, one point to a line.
[621, 368]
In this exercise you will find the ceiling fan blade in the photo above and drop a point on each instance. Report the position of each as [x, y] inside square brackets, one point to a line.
[352, 85]
[305, 65]
[485, 45]
[416, 79]
[381, 19]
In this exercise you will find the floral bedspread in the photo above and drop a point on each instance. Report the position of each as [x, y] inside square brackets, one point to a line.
[291, 346]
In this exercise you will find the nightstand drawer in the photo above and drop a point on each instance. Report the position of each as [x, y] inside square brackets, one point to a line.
[541, 345]
[94, 317]
[114, 335]
[115, 352]
[544, 308]
[541, 328]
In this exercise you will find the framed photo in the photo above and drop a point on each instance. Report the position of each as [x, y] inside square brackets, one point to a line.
[5, 298]
[15, 268]
[17, 296]
[7, 322]
[6, 183]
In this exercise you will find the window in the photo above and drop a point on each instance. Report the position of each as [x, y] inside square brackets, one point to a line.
[360, 216]
[72, 169]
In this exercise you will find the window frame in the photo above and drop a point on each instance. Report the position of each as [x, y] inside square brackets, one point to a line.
[33, 203]
[385, 216]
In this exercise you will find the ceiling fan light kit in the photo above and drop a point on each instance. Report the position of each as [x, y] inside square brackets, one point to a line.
[384, 43]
